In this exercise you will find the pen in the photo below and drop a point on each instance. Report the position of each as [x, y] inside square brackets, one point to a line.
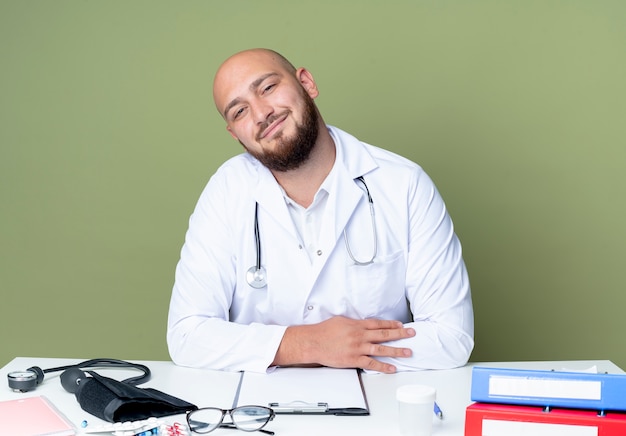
[438, 411]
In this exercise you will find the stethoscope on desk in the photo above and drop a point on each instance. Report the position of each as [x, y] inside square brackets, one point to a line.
[256, 276]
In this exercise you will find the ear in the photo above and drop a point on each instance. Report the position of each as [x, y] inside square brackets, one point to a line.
[305, 78]
[231, 133]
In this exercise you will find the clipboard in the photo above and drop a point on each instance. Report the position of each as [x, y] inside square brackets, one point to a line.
[306, 391]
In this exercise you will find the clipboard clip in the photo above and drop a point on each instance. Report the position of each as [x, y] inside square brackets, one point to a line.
[299, 407]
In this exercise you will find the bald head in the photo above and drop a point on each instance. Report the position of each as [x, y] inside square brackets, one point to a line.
[241, 65]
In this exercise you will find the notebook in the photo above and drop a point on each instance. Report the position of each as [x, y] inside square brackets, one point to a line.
[33, 416]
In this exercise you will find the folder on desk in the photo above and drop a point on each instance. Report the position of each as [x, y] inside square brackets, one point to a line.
[33, 416]
[509, 420]
[331, 391]
[578, 390]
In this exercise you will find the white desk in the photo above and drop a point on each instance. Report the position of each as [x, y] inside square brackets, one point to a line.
[214, 388]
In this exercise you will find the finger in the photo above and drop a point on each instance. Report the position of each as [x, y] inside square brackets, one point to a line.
[375, 365]
[386, 351]
[378, 324]
[387, 335]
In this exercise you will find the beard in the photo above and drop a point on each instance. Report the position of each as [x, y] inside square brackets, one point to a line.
[291, 152]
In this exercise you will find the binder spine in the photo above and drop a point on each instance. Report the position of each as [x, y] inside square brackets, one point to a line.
[602, 392]
[507, 420]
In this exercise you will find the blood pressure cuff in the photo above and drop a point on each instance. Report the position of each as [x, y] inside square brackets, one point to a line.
[115, 401]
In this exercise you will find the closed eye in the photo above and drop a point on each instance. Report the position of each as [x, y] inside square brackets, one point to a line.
[237, 113]
[268, 88]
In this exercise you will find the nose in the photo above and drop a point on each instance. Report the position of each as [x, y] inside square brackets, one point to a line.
[261, 111]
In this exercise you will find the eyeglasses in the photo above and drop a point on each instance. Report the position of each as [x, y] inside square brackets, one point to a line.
[246, 418]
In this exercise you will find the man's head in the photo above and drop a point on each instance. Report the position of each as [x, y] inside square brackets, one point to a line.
[268, 107]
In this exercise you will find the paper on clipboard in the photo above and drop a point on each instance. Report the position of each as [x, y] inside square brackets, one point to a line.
[305, 390]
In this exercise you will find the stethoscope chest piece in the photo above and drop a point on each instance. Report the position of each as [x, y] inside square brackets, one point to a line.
[256, 277]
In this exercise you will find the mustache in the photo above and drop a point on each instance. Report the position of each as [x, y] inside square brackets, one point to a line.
[269, 122]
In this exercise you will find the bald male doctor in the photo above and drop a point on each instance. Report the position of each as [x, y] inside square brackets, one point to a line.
[312, 247]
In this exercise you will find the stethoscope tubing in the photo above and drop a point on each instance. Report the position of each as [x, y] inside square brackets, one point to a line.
[257, 236]
[345, 236]
[256, 276]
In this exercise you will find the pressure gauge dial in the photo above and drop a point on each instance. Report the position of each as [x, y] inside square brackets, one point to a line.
[22, 381]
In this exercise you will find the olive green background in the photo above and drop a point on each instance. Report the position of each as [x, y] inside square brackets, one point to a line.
[517, 109]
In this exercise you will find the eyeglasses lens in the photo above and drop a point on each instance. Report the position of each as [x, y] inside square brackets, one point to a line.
[204, 420]
[250, 418]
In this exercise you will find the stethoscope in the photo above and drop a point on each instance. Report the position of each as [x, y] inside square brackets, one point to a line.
[256, 276]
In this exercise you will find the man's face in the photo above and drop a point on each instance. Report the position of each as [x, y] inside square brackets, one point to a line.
[268, 108]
